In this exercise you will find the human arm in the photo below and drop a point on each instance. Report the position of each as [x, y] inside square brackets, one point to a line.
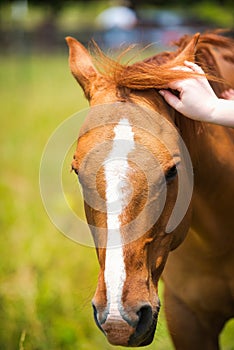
[197, 99]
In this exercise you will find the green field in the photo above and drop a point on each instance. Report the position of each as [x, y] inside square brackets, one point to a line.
[46, 280]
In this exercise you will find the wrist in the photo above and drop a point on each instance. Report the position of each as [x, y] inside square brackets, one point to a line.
[223, 112]
[215, 111]
[207, 110]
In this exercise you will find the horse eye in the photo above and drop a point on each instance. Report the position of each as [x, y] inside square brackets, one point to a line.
[171, 173]
[74, 169]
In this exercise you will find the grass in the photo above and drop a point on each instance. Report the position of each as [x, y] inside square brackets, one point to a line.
[217, 13]
[46, 280]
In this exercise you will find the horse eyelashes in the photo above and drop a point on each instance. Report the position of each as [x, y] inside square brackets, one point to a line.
[171, 173]
[74, 169]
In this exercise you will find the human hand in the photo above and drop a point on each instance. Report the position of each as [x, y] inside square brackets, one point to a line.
[197, 99]
[228, 94]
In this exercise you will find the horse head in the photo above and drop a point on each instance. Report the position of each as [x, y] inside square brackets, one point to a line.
[131, 163]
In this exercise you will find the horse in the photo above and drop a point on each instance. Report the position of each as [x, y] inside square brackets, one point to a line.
[132, 152]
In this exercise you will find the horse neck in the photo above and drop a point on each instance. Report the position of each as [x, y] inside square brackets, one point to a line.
[211, 148]
[203, 143]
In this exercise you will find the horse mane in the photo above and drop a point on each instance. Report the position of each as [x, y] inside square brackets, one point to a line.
[205, 57]
[157, 71]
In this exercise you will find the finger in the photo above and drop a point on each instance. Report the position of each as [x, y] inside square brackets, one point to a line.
[182, 68]
[176, 85]
[224, 94]
[194, 67]
[171, 99]
[228, 94]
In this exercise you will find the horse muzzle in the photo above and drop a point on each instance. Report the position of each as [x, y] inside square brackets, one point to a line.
[135, 328]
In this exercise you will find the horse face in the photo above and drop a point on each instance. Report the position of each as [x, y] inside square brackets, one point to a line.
[129, 181]
[127, 160]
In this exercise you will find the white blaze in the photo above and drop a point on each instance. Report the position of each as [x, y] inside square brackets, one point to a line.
[117, 197]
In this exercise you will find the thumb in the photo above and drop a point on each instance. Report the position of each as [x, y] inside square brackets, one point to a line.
[171, 99]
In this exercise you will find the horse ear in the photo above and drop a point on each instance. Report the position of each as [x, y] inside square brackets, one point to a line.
[189, 50]
[81, 65]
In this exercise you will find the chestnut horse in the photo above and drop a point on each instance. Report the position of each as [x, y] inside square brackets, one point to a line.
[128, 161]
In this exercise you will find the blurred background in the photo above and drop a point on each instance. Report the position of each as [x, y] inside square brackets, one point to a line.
[39, 25]
[46, 280]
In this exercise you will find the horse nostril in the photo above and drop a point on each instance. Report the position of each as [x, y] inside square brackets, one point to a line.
[95, 315]
[145, 328]
[145, 315]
